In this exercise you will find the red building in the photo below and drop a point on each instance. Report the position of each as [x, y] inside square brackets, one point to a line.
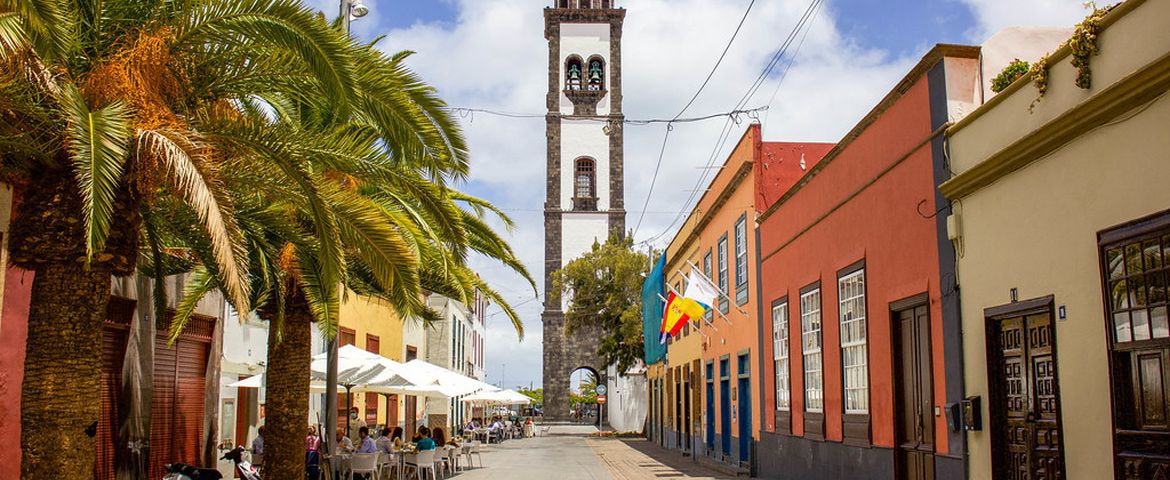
[858, 307]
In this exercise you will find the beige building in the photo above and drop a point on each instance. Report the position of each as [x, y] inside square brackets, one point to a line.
[1062, 231]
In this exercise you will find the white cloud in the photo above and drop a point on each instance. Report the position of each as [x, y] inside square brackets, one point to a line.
[993, 15]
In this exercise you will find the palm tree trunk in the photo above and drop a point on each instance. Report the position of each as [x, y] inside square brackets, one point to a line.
[62, 371]
[287, 398]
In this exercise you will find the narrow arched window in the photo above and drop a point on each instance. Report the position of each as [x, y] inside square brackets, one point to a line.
[596, 73]
[574, 73]
[585, 185]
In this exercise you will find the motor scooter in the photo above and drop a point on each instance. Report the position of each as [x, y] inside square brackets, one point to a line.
[244, 469]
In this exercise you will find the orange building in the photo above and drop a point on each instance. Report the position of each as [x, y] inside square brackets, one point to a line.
[712, 403]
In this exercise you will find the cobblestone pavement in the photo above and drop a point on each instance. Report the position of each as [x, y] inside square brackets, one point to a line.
[571, 453]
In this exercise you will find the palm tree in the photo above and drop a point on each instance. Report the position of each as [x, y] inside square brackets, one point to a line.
[109, 109]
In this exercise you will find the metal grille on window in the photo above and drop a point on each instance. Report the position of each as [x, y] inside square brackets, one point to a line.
[780, 354]
[810, 325]
[1137, 289]
[851, 294]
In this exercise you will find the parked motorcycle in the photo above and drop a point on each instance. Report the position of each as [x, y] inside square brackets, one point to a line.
[244, 468]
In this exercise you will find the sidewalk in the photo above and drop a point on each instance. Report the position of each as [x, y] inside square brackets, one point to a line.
[638, 459]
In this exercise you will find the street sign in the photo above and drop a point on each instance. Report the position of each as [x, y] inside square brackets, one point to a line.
[601, 399]
[601, 390]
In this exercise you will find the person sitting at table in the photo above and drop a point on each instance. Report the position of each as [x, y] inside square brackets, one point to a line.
[397, 437]
[438, 436]
[453, 441]
[471, 425]
[384, 442]
[344, 444]
[312, 440]
[367, 443]
[425, 442]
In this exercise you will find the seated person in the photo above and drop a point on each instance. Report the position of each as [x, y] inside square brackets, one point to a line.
[344, 444]
[397, 436]
[258, 443]
[439, 437]
[367, 443]
[385, 442]
[425, 442]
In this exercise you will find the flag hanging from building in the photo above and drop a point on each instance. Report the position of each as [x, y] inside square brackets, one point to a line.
[701, 290]
[652, 306]
[679, 311]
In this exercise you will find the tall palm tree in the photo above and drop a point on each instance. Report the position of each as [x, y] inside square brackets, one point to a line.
[108, 108]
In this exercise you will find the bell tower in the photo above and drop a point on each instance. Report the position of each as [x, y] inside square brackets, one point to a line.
[585, 191]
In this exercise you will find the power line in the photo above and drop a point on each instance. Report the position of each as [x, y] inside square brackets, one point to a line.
[467, 112]
[725, 133]
[669, 127]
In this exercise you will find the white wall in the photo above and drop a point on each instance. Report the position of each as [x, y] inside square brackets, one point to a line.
[626, 406]
[585, 40]
[584, 138]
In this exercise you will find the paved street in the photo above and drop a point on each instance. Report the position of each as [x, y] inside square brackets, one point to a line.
[571, 453]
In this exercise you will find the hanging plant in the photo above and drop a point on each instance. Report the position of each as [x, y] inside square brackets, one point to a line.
[1083, 44]
[1039, 79]
[1009, 75]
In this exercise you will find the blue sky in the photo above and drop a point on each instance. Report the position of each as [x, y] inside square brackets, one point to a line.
[491, 54]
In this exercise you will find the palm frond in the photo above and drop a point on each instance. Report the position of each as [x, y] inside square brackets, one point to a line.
[98, 141]
[199, 284]
[189, 173]
[46, 25]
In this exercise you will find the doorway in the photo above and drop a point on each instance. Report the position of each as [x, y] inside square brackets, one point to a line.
[1024, 392]
[914, 389]
[745, 406]
[686, 409]
[725, 406]
[710, 408]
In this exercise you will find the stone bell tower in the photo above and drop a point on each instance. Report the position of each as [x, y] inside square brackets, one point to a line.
[585, 192]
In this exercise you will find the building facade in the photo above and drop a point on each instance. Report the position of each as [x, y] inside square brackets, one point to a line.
[710, 372]
[860, 300]
[585, 191]
[452, 343]
[1063, 240]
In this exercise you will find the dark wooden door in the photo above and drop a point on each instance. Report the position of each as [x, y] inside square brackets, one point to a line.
[915, 391]
[1026, 437]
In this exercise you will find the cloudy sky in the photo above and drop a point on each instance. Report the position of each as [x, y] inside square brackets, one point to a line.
[491, 54]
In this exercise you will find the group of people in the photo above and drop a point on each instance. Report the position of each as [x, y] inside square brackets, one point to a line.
[497, 427]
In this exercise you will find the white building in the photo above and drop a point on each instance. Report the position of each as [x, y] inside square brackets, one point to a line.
[455, 343]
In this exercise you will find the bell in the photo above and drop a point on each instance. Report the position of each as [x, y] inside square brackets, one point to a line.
[595, 75]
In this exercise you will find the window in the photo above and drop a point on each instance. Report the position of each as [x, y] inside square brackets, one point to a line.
[585, 185]
[851, 298]
[741, 263]
[707, 273]
[780, 353]
[810, 330]
[721, 247]
[1135, 270]
[573, 73]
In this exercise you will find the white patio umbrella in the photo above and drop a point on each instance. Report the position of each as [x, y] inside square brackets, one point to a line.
[500, 397]
[451, 383]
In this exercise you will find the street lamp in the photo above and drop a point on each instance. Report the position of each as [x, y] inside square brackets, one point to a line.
[349, 10]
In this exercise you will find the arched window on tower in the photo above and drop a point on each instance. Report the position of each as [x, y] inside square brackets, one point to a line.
[574, 73]
[596, 73]
[585, 185]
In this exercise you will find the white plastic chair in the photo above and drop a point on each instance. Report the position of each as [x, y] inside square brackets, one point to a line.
[389, 463]
[425, 461]
[445, 459]
[475, 451]
[465, 452]
[364, 463]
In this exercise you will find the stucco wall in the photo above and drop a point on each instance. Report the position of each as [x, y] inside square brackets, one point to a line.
[584, 138]
[1036, 229]
[370, 316]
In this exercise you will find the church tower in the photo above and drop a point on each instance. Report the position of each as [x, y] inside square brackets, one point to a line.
[585, 193]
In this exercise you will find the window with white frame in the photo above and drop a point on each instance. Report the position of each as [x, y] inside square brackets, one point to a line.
[741, 261]
[851, 296]
[721, 263]
[810, 329]
[780, 353]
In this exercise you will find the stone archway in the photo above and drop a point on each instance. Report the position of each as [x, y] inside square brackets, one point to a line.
[562, 356]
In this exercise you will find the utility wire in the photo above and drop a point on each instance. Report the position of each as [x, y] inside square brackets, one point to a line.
[731, 121]
[669, 125]
[465, 112]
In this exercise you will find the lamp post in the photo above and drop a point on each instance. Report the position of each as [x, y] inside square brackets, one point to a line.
[349, 10]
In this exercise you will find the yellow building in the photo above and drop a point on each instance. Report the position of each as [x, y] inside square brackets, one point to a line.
[372, 324]
[1060, 221]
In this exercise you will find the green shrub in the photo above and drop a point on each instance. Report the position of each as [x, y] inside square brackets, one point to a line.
[1010, 74]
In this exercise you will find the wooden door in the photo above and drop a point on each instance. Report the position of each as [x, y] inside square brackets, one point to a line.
[725, 407]
[914, 391]
[1025, 436]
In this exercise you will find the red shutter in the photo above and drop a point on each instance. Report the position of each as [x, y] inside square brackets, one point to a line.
[373, 345]
[176, 415]
[114, 337]
[162, 406]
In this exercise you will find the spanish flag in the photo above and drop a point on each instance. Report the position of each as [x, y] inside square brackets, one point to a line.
[679, 311]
